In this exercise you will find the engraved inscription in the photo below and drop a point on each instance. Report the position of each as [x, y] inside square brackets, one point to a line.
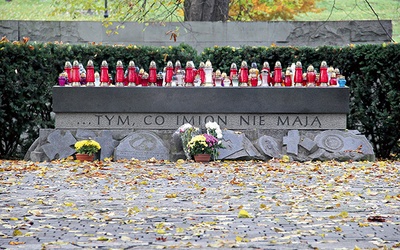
[174, 121]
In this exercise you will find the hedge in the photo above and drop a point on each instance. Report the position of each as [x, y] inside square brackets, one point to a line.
[29, 70]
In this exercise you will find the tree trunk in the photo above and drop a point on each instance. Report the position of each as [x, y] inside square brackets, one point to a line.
[206, 10]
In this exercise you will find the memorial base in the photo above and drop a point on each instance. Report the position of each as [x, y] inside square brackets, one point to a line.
[250, 144]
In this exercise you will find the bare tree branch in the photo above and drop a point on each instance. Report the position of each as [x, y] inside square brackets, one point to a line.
[377, 17]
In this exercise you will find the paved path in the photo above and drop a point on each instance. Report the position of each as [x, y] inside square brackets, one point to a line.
[140, 205]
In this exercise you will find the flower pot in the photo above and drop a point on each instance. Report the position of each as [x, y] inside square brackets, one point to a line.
[202, 157]
[84, 157]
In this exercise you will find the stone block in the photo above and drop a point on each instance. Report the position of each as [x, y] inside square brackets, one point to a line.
[237, 146]
[40, 31]
[142, 145]
[269, 146]
[60, 145]
[223, 100]
[9, 29]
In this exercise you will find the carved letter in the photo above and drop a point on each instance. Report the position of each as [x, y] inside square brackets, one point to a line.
[297, 120]
[244, 120]
[285, 122]
[185, 120]
[220, 120]
[316, 120]
[109, 119]
[98, 119]
[123, 121]
[145, 120]
[159, 120]
[262, 121]
[209, 116]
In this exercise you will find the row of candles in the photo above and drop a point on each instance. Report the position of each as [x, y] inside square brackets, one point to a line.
[174, 75]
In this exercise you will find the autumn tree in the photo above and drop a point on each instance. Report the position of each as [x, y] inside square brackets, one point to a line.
[267, 10]
[186, 10]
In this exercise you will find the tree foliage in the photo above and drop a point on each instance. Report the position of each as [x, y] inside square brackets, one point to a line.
[267, 10]
[188, 10]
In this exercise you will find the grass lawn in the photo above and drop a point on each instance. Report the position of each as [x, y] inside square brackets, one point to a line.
[336, 10]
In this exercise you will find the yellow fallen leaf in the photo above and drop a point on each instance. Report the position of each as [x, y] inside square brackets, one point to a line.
[13, 218]
[180, 230]
[238, 239]
[344, 214]
[125, 238]
[171, 195]
[285, 158]
[102, 238]
[338, 229]
[68, 204]
[17, 232]
[14, 243]
[243, 214]
[180, 161]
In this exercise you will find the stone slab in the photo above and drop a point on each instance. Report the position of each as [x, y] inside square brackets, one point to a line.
[325, 100]
[173, 121]
[142, 145]
[201, 35]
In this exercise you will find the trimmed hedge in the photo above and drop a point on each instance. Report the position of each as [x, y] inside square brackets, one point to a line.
[29, 70]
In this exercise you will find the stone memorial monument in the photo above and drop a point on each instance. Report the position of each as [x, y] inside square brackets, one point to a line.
[304, 123]
[258, 123]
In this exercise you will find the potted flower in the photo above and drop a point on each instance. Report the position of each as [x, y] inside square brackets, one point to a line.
[86, 149]
[203, 146]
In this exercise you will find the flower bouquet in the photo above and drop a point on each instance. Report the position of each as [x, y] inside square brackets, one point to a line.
[187, 132]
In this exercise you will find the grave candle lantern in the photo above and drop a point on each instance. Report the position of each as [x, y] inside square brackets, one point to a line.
[202, 73]
[208, 70]
[218, 78]
[311, 76]
[235, 81]
[278, 74]
[169, 72]
[75, 74]
[323, 74]
[62, 79]
[104, 77]
[159, 79]
[119, 78]
[131, 74]
[179, 78]
[190, 73]
[90, 74]
[233, 71]
[152, 74]
[288, 78]
[298, 75]
[266, 69]
[342, 81]
[178, 67]
[264, 77]
[226, 82]
[253, 77]
[144, 79]
[333, 80]
[68, 70]
[244, 74]
[139, 77]
[96, 79]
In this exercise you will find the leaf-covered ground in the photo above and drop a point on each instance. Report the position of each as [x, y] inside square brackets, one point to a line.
[153, 204]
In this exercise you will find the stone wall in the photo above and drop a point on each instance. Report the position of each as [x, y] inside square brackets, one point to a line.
[205, 34]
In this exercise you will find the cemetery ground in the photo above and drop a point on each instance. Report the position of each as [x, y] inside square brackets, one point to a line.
[133, 204]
